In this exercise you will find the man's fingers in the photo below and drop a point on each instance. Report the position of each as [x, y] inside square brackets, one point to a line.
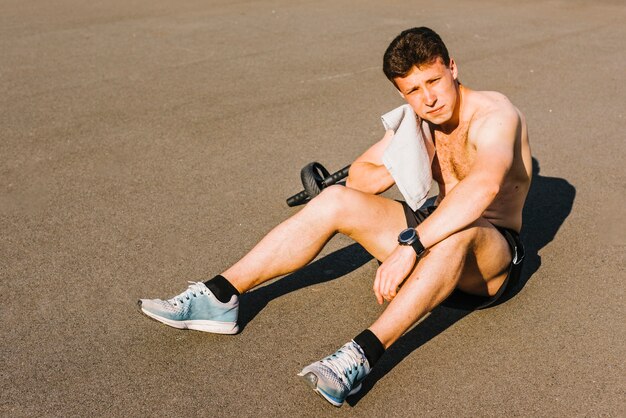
[390, 286]
[376, 287]
[390, 291]
[386, 289]
[390, 275]
[382, 285]
[379, 297]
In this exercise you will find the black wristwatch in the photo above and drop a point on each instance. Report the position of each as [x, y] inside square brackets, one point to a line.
[409, 237]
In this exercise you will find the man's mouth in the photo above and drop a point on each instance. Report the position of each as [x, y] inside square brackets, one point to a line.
[432, 112]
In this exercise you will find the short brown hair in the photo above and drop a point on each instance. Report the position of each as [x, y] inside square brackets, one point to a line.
[413, 48]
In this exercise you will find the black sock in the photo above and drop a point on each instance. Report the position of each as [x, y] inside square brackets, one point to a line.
[221, 288]
[371, 346]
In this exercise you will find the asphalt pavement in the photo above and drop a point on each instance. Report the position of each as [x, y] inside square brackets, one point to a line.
[148, 143]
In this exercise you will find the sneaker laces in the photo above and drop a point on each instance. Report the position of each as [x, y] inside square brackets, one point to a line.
[194, 289]
[343, 362]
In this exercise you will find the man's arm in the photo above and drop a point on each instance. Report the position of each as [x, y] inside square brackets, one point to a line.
[368, 173]
[466, 202]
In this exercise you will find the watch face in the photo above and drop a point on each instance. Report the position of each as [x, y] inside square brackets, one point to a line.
[407, 235]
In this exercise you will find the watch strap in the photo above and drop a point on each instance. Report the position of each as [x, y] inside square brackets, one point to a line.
[418, 246]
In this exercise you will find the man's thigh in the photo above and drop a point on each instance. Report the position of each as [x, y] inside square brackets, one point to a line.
[371, 220]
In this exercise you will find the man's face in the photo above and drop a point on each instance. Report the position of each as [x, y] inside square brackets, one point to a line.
[431, 90]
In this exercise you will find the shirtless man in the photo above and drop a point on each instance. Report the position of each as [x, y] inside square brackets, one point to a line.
[469, 243]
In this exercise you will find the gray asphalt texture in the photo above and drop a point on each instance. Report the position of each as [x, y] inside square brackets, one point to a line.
[147, 143]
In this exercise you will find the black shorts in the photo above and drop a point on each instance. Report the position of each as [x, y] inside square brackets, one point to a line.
[460, 299]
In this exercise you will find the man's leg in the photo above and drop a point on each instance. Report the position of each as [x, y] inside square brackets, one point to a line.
[372, 221]
[476, 260]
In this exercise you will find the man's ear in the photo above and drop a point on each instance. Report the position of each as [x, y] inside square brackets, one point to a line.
[453, 69]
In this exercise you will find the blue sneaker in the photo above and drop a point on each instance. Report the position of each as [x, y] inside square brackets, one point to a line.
[196, 308]
[339, 375]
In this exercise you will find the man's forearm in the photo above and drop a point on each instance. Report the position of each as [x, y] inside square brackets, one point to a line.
[463, 205]
[369, 178]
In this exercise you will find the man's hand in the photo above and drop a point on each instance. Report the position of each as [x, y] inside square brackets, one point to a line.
[393, 272]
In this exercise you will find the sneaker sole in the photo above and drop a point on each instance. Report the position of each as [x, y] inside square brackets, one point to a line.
[214, 327]
[311, 380]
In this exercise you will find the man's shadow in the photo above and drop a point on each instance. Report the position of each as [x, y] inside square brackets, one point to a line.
[549, 203]
[325, 269]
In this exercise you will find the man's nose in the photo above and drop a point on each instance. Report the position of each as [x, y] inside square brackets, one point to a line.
[429, 98]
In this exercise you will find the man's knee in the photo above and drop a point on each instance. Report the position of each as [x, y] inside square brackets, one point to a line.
[334, 192]
[331, 196]
[460, 241]
[470, 241]
[330, 202]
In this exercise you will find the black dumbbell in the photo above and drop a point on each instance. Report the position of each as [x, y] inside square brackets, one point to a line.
[315, 178]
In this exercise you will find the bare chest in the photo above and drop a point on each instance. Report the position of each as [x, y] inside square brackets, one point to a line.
[454, 157]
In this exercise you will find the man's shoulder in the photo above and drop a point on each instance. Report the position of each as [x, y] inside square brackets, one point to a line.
[492, 108]
[488, 104]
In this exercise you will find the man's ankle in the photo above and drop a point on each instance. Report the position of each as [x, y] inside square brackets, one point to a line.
[221, 288]
[371, 346]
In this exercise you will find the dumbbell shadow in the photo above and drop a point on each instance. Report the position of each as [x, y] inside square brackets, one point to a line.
[325, 269]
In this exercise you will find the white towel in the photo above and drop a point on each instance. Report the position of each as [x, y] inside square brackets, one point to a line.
[409, 155]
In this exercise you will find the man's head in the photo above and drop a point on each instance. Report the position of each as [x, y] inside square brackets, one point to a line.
[413, 48]
[418, 64]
